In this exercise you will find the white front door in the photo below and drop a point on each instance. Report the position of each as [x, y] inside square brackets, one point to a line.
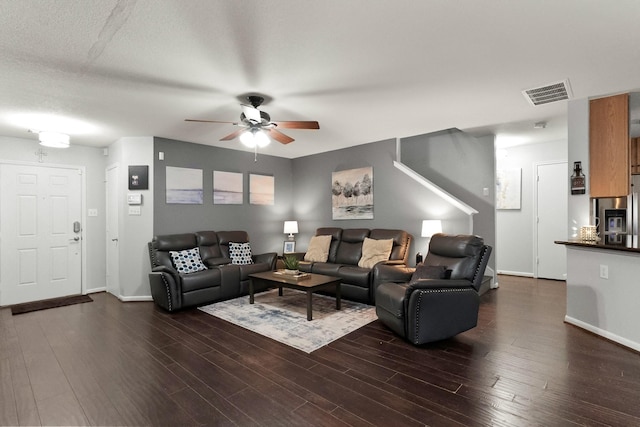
[113, 265]
[552, 212]
[40, 229]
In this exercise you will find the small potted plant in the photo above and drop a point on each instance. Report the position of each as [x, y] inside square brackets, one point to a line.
[291, 264]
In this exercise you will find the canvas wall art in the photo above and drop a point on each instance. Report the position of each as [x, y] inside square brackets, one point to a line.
[352, 194]
[261, 189]
[184, 186]
[508, 184]
[227, 188]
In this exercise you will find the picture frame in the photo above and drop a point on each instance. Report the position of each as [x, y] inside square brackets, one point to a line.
[138, 177]
[289, 247]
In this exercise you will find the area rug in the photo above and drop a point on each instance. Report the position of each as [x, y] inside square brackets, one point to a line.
[284, 318]
[49, 303]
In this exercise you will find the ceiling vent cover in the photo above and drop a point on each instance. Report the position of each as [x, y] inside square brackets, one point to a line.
[550, 93]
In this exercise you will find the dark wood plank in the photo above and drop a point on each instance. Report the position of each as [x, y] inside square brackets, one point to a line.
[114, 363]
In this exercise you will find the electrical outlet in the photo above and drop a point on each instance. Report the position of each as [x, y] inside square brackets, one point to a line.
[604, 271]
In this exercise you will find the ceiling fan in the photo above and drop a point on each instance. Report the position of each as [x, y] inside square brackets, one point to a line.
[257, 126]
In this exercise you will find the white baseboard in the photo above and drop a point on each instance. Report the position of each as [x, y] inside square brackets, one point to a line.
[135, 298]
[601, 332]
[95, 290]
[515, 273]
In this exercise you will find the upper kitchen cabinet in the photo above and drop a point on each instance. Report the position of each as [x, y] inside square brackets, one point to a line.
[609, 146]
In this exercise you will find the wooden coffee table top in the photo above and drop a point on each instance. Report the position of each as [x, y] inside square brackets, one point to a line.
[312, 281]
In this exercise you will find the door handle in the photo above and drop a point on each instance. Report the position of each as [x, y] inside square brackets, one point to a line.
[75, 239]
[114, 240]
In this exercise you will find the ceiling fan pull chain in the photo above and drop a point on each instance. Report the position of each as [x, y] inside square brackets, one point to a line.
[255, 154]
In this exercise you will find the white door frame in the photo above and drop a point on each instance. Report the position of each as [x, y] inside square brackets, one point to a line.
[83, 214]
[107, 241]
[535, 209]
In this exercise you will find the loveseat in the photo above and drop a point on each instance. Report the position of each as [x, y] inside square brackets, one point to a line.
[344, 253]
[201, 268]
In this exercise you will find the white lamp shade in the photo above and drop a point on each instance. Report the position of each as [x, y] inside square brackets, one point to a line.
[431, 227]
[291, 227]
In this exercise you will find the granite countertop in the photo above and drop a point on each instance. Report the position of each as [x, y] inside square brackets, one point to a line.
[629, 245]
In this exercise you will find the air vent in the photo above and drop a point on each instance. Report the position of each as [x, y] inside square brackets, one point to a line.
[550, 93]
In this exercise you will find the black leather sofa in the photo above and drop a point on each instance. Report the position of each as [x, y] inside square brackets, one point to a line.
[345, 251]
[221, 280]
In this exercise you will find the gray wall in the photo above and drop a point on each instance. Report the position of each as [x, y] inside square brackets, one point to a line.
[399, 201]
[263, 223]
[303, 192]
[463, 166]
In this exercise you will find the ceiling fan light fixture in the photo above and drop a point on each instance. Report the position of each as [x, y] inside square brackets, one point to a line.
[254, 138]
[53, 139]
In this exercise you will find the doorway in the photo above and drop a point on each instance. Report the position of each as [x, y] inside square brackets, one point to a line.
[551, 193]
[112, 209]
[40, 219]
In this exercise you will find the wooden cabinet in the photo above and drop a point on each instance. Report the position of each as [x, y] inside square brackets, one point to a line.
[634, 156]
[609, 171]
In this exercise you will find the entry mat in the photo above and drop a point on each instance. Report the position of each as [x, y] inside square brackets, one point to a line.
[27, 307]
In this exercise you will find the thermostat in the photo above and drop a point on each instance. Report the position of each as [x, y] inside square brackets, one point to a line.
[134, 199]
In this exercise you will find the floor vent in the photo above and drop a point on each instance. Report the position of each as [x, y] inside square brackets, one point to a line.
[550, 93]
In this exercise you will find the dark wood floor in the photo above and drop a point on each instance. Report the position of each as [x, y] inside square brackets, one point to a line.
[113, 363]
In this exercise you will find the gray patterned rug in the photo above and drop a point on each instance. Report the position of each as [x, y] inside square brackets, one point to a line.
[284, 318]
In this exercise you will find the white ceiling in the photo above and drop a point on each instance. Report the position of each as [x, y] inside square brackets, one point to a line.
[366, 70]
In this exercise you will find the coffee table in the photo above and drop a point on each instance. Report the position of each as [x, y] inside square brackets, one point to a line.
[310, 284]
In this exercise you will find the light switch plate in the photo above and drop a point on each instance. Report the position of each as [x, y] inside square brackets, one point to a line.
[135, 210]
[93, 212]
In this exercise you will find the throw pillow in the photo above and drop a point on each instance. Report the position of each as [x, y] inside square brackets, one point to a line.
[429, 272]
[240, 253]
[374, 251]
[187, 261]
[318, 250]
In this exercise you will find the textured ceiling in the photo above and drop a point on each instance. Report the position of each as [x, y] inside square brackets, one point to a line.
[366, 70]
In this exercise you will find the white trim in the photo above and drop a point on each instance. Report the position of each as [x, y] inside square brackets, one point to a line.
[135, 298]
[434, 188]
[515, 273]
[601, 332]
[96, 290]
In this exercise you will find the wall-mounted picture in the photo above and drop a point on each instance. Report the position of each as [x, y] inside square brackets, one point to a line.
[261, 189]
[227, 188]
[352, 194]
[138, 177]
[508, 182]
[184, 186]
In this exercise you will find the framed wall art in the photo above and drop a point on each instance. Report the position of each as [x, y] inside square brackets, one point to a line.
[352, 194]
[138, 177]
[227, 188]
[508, 188]
[261, 189]
[184, 186]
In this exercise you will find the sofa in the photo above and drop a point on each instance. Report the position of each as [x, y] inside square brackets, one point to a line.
[183, 277]
[344, 253]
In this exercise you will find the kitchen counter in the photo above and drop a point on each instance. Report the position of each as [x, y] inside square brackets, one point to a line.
[603, 291]
[631, 245]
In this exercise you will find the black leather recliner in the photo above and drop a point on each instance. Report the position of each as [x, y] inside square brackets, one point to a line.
[433, 309]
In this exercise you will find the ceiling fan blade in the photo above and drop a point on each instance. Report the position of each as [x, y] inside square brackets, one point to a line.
[279, 136]
[232, 135]
[211, 121]
[251, 113]
[298, 125]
